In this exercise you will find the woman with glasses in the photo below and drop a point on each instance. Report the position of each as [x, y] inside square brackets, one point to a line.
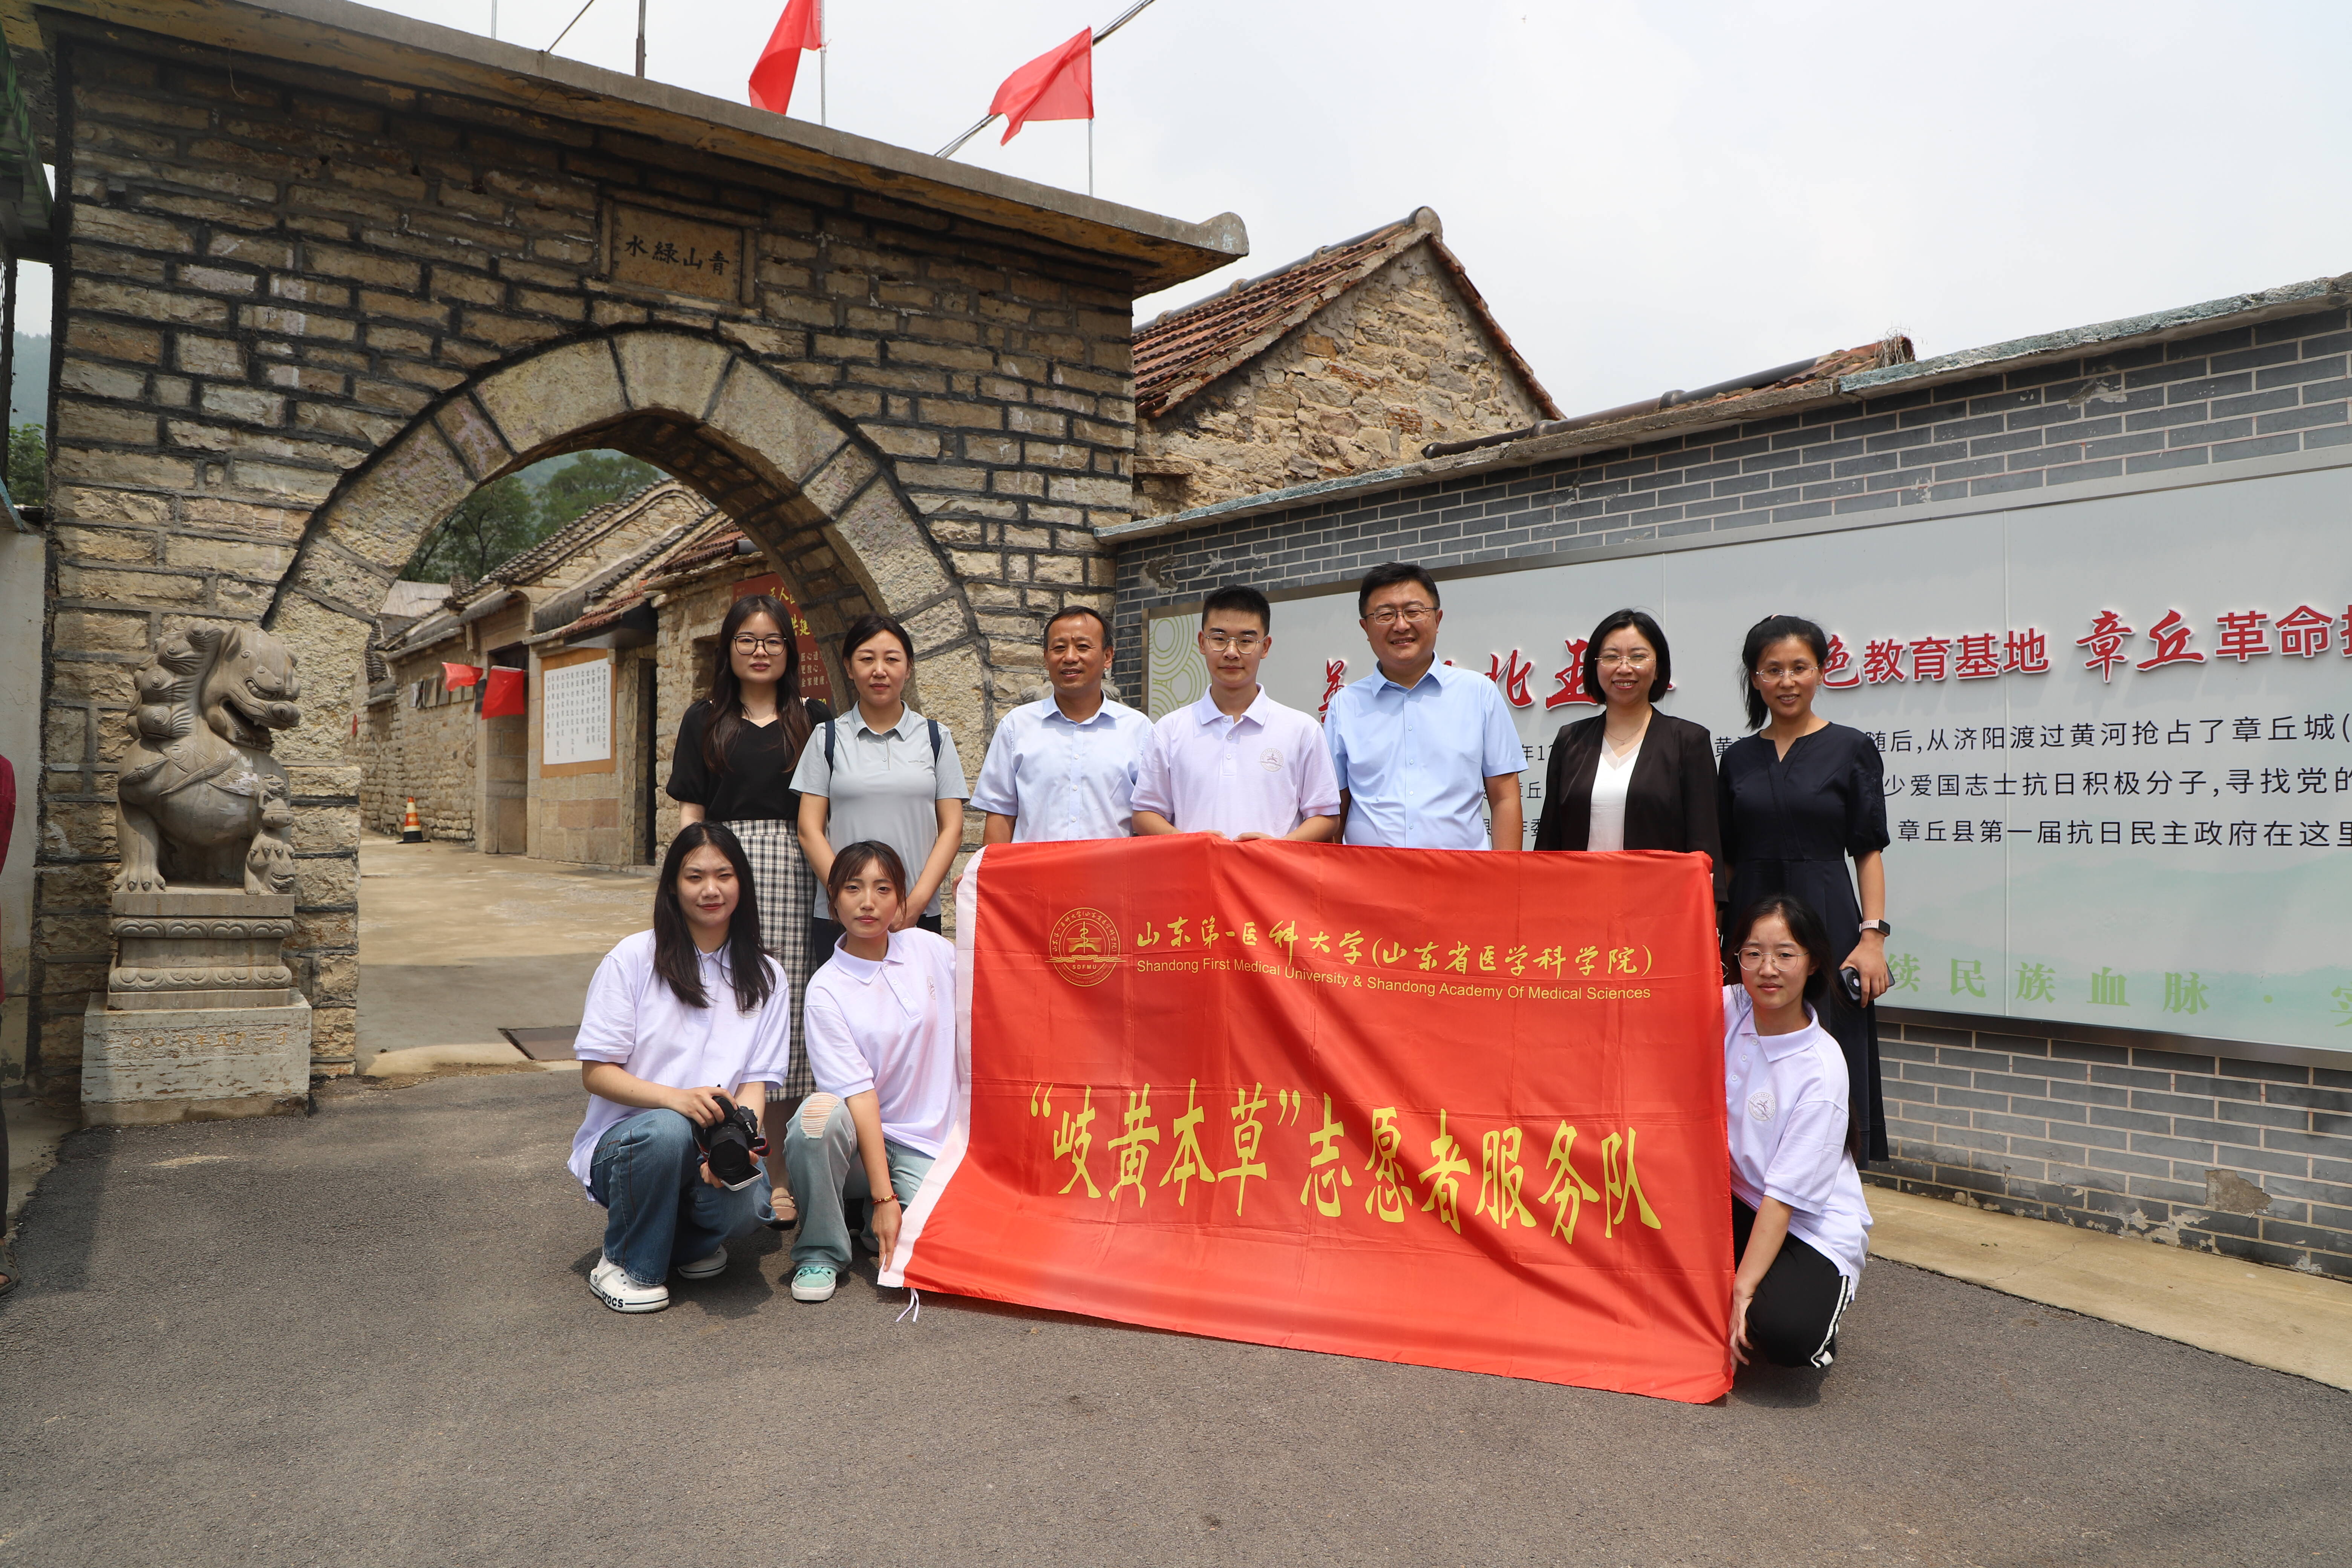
[733, 765]
[1799, 1226]
[1797, 800]
[1631, 777]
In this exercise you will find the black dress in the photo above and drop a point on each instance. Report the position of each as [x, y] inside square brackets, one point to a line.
[1789, 825]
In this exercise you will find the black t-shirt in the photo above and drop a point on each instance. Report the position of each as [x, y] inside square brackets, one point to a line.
[759, 773]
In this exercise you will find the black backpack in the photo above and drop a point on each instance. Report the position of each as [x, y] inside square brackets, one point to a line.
[936, 732]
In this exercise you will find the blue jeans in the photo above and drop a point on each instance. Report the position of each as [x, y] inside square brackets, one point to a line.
[825, 1175]
[647, 1172]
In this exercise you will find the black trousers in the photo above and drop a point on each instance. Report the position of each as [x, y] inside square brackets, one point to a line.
[826, 935]
[1794, 1319]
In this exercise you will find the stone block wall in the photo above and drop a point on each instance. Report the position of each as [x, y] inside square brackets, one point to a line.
[2248, 1158]
[584, 818]
[301, 315]
[1397, 361]
[424, 753]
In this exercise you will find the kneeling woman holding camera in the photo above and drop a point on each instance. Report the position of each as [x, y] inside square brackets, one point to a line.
[879, 1025]
[684, 1023]
[1797, 1221]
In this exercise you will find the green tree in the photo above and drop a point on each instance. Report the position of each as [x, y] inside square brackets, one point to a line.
[28, 466]
[492, 526]
[587, 482]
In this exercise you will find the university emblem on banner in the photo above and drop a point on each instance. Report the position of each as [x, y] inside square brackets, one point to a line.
[1083, 947]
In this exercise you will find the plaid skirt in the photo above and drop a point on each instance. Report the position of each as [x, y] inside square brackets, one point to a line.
[780, 878]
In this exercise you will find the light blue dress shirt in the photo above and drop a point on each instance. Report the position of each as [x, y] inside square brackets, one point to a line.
[1060, 780]
[1415, 762]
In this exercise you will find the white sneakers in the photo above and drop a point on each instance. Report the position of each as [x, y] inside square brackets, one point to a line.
[617, 1290]
[705, 1267]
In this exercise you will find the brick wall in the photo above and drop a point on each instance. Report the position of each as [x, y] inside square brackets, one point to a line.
[2198, 1150]
[2250, 392]
[2253, 1159]
[270, 275]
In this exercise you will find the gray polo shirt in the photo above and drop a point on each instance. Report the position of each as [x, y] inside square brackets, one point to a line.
[882, 786]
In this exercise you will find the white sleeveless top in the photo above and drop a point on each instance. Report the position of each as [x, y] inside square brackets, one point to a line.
[1610, 780]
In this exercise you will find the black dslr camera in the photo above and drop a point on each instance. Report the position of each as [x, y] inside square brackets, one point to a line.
[731, 1145]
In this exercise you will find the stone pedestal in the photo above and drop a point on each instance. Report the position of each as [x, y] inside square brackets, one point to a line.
[200, 1018]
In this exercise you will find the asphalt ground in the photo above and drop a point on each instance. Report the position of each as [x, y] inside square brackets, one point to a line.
[366, 1337]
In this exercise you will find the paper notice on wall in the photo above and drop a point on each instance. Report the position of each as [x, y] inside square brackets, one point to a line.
[578, 714]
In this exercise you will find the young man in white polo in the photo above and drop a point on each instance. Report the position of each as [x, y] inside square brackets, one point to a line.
[1237, 762]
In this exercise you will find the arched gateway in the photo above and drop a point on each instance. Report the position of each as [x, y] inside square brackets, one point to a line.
[303, 312]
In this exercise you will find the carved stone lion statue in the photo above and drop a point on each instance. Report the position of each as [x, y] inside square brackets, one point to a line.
[201, 800]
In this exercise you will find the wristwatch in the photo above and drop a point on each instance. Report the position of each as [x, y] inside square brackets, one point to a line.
[1880, 926]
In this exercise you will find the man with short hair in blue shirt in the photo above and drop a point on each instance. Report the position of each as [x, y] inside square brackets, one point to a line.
[1419, 746]
[1065, 767]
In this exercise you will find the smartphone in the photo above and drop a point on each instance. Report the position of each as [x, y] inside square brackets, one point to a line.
[1851, 978]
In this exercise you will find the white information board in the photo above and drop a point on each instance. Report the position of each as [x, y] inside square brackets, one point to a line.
[2117, 733]
[576, 713]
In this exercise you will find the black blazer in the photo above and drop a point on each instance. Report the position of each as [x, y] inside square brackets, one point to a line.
[1670, 801]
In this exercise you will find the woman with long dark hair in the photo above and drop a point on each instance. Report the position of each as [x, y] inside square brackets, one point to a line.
[733, 765]
[883, 772]
[1631, 777]
[681, 1021]
[1800, 1227]
[1796, 801]
[881, 1040]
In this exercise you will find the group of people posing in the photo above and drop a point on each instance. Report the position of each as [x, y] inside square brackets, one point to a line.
[804, 884]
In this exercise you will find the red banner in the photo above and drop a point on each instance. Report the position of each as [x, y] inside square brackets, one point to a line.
[1453, 1108]
[505, 695]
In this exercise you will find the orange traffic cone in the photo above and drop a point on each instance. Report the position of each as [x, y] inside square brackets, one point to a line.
[411, 830]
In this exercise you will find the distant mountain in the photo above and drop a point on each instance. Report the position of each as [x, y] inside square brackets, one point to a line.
[28, 398]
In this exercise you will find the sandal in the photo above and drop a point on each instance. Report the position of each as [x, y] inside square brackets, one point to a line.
[784, 1219]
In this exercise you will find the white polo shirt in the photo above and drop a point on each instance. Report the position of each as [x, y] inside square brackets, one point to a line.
[1265, 771]
[634, 1018]
[1061, 780]
[1786, 1099]
[890, 1028]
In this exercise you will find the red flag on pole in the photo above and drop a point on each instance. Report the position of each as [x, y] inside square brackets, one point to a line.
[1057, 85]
[802, 26]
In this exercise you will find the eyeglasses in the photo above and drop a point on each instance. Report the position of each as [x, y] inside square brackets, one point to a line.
[1219, 642]
[758, 644]
[1782, 957]
[1611, 660]
[1389, 615]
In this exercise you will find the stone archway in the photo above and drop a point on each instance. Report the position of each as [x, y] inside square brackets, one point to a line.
[815, 495]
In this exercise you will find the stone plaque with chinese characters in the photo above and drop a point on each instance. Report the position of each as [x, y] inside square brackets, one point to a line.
[666, 250]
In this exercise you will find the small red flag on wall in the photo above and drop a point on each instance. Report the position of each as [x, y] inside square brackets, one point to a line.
[1057, 85]
[457, 676]
[802, 26]
[504, 698]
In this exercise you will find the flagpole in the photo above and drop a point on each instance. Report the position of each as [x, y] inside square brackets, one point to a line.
[1125, 16]
[821, 55]
[641, 39]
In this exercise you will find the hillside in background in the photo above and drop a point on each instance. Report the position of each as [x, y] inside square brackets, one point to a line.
[509, 516]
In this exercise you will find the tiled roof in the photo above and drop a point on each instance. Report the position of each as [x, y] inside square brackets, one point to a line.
[714, 538]
[576, 536]
[1182, 352]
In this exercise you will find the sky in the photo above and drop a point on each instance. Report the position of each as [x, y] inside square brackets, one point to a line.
[1649, 195]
